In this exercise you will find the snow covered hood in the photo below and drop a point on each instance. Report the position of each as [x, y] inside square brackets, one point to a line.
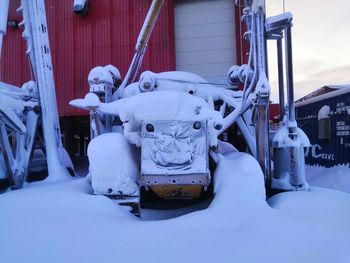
[156, 105]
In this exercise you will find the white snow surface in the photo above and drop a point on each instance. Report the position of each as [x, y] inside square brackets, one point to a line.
[113, 166]
[337, 177]
[165, 105]
[160, 105]
[180, 81]
[64, 222]
[281, 138]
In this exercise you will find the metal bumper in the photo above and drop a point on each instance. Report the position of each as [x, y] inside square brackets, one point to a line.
[184, 179]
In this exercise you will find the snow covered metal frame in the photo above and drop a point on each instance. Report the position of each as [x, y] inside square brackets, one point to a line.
[289, 168]
[149, 100]
[19, 118]
[32, 104]
[289, 141]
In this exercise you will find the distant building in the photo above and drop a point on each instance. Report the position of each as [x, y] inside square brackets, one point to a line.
[324, 115]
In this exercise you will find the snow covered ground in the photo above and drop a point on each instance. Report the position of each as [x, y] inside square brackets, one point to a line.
[337, 177]
[64, 222]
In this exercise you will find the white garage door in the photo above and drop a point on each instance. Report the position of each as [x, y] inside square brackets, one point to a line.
[205, 37]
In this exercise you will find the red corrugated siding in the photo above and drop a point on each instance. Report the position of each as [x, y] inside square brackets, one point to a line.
[13, 54]
[242, 44]
[107, 35]
[274, 110]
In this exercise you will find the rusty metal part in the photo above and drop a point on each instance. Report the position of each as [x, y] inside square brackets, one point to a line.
[178, 191]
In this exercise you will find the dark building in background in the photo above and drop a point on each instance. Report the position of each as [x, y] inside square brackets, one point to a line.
[325, 118]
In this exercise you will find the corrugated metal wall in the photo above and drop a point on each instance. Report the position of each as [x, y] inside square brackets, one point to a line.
[106, 35]
[333, 151]
[242, 44]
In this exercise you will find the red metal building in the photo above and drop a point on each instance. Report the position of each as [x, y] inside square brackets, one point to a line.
[105, 35]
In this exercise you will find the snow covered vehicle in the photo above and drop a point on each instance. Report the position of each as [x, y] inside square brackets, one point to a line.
[159, 132]
[174, 128]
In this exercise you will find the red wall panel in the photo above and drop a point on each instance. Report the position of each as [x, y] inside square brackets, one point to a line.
[242, 44]
[106, 35]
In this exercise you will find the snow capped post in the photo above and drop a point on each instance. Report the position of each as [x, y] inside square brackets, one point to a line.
[289, 141]
[262, 86]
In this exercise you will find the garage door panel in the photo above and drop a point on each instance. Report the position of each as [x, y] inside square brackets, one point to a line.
[203, 43]
[197, 6]
[213, 69]
[208, 17]
[212, 30]
[200, 57]
[205, 37]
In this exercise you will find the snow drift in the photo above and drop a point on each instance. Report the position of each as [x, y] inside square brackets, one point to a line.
[64, 222]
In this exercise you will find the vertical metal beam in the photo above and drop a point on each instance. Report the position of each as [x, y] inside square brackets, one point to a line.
[263, 91]
[36, 16]
[290, 86]
[280, 77]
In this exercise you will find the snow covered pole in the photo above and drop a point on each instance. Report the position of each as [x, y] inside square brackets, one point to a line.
[141, 44]
[262, 90]
[280, 77]
[4, 7]
[289, 141]
[34, 14]
[290, 86]
[149, 23]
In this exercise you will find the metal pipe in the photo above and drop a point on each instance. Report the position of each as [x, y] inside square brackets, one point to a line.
[249, 138]
[141, 44]
[290, 87]
[280, 77]
[263, 99]
[149, 23]
[262, 138]
[108, 98]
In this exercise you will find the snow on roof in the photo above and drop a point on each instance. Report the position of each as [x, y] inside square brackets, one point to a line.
[335, 86]
[336, 90]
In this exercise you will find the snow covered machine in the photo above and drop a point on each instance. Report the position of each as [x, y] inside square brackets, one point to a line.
[30, 137]
[161, 131]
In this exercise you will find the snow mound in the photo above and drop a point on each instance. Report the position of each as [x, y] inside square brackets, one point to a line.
[64, 222]
[113, 167]
[165, 105]
[337, 177]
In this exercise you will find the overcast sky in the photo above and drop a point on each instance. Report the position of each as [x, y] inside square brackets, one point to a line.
[321, 44]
